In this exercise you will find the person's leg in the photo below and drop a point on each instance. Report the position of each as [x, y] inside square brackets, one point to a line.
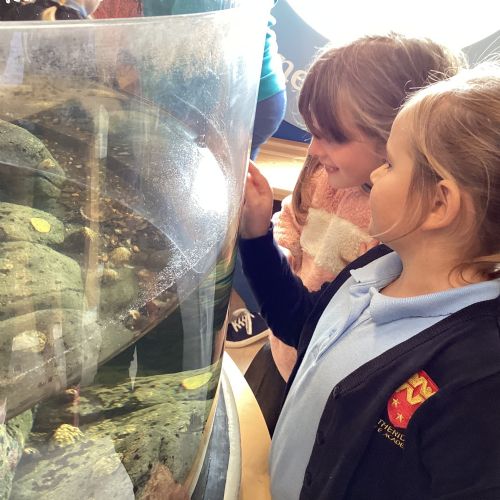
[267, 385]
[284, 356]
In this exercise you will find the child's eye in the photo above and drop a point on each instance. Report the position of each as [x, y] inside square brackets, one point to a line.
[387, 164]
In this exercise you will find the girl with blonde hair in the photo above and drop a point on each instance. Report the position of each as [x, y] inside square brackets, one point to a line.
[396, 393]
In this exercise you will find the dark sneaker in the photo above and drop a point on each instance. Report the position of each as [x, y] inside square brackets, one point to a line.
[245, 328]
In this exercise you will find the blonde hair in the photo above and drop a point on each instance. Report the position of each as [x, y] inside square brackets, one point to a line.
[370, 79]
[454, 133]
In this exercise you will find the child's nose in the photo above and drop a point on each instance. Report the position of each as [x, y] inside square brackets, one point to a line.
[375, 173]
[314, 147]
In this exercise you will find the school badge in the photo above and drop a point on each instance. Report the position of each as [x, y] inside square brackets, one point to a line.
[407, 398]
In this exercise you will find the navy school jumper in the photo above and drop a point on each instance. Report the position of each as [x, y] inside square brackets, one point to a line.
[447, 377]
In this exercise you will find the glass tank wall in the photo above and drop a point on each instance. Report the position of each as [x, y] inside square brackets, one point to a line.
[123, 149]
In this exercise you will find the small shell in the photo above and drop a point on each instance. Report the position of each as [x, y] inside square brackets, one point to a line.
[134, 314]
[31, 452]
[134, 320]
[90, 234]
[120, 255]
[80, 238]
[66, 435]
[109, 275]
[46, 163]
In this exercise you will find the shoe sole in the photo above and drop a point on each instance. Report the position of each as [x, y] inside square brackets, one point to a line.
[250, 340]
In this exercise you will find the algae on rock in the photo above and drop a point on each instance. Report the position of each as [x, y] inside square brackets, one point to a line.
[29, 175]
[158, 422]
[17, 224]
[13, 436]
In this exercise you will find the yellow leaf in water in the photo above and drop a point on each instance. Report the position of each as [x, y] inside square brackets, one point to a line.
[40, 225]
[196, 381]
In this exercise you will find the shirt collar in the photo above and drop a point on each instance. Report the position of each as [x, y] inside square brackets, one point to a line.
[385, 309]
[379, 273]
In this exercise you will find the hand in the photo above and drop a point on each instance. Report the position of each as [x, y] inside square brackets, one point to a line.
[258, 206]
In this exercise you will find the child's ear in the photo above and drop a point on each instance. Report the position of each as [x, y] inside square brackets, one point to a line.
[445, 206]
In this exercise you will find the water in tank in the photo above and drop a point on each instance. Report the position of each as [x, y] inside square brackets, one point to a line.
[123, 149]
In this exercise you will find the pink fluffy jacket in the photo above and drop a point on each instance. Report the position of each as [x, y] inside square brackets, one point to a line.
[334, 233]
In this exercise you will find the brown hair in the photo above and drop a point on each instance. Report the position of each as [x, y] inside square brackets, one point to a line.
[454, 133]
[370, 79]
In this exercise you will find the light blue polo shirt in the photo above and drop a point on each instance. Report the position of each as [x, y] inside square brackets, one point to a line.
[358, 325]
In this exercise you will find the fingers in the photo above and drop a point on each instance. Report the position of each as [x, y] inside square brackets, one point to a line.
[257, 206]
[254, 175]
[252, 167]
[257, 179]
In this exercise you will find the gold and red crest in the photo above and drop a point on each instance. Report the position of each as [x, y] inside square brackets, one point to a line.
[408, 397]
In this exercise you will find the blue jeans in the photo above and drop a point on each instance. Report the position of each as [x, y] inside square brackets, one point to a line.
[268, 116]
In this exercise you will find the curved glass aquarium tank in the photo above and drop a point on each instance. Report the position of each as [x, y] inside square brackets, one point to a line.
[123, 151]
